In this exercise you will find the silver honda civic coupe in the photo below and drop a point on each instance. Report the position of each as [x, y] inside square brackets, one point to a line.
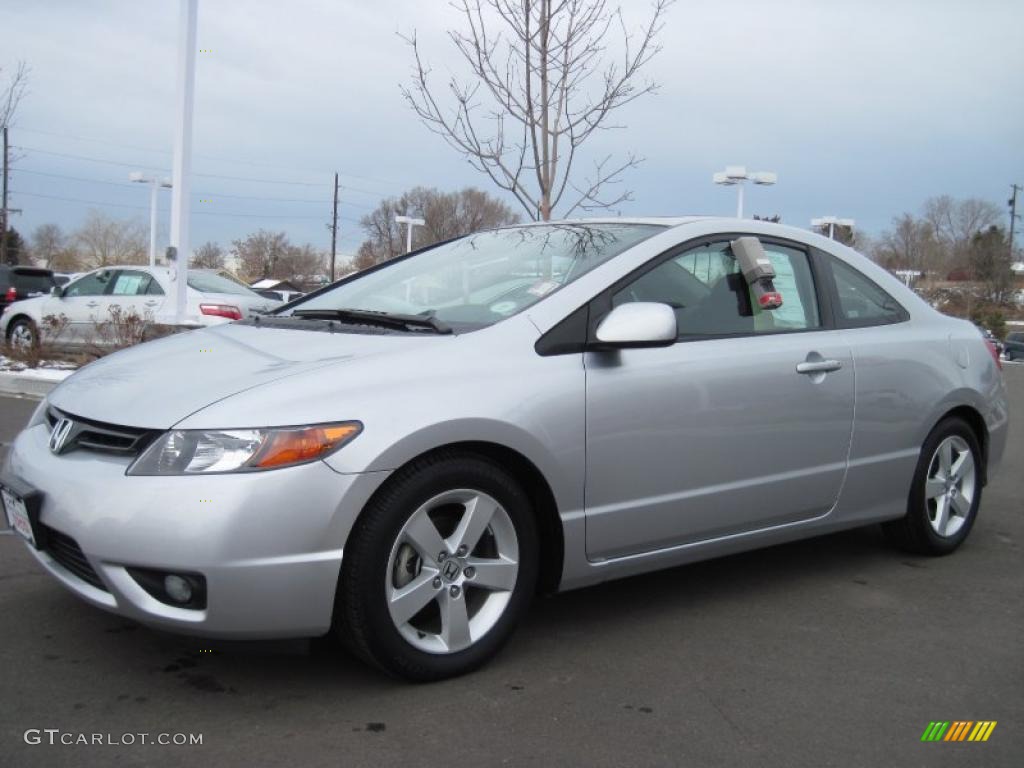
[404, 458]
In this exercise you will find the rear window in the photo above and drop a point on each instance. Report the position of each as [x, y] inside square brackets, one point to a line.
[32, 281]
[210, 282]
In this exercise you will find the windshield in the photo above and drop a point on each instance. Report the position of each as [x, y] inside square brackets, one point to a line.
[211, 282]
[480, 279]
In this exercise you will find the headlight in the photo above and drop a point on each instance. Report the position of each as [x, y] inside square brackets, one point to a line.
[199, 451]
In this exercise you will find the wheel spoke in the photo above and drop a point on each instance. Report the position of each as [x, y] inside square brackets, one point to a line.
[424, 537]
[946, 457]
[493, 574]
[941, 515]
[960, 504]
[406, 602]
[474, 522]
[962, 463]
[454, 623]
[934, 488]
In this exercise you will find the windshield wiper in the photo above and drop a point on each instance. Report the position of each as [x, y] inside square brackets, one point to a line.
[372, 317]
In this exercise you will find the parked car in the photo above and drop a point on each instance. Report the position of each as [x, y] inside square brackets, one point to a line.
[278, 295]
[17, 283]
[580, 401]
[1013, 347]
[147, 291]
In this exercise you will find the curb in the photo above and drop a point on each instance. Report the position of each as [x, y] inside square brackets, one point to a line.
[26, 385]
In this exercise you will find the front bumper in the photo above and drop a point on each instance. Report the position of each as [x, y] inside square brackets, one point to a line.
[268, 543]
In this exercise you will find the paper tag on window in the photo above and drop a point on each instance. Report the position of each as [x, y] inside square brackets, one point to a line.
[542, 288]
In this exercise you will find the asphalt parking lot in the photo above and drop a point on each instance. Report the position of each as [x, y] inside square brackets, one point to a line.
[828, 652]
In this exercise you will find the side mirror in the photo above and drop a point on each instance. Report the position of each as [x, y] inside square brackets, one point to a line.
[57, 292]
[638, 324]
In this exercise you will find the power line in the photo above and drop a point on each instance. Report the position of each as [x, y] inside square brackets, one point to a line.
[239, 161]
[105, 204]
[250, 179]
[201, 194]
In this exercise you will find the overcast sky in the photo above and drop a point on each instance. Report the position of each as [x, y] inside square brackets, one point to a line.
[864, 108]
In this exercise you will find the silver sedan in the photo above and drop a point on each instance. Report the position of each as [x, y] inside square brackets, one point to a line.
[405, 458]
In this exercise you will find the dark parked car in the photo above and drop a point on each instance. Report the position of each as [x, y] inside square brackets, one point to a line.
[17, 283]
[1013, 347]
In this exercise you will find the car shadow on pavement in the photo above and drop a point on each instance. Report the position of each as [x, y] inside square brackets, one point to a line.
[276, 671]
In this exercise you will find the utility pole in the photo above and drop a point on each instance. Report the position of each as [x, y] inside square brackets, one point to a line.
[334, 227]
[3, 205]
[1012, 202]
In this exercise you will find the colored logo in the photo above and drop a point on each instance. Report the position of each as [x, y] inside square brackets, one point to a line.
[959, 730]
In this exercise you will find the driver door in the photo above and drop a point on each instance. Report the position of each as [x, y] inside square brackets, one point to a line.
[718, 434]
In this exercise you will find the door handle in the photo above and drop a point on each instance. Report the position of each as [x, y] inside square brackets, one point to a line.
[151, 303]
[818, 366]
[92, 304]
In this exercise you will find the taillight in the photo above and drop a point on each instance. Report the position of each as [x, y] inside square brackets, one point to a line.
[994, 350]
[221, 310]
[12, 294]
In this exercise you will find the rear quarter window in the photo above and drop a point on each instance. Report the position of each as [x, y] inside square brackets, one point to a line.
[33, 282]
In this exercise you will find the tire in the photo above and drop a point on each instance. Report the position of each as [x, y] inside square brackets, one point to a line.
[22, 334]
[432, 504]
[935, 488]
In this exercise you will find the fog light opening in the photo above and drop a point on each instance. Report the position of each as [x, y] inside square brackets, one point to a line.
[178, 588]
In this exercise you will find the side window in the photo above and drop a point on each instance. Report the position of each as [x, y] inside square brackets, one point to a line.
[710, 297]
[94, 284]
[132, 283]
[861, 302]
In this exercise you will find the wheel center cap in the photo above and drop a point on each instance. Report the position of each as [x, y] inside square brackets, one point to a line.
[451, 570]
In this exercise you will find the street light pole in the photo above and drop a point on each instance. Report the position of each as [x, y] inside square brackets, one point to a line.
[183, 150]
[409, 222]
[154, 188]
[737, 175]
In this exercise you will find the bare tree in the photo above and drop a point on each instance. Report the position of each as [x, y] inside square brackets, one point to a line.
[910, 244]
[270, 254]
[541, 85]
[105, 241]
[48, 240]
[208, 256]
[445, 215]
[12, 93]
[954, 224]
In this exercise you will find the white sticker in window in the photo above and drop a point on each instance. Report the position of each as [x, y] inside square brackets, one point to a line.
[542, 288]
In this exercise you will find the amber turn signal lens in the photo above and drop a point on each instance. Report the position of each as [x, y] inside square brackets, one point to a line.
[295, 446]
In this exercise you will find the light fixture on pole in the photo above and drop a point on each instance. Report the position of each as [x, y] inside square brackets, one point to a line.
[182, 167]
[737, 175]
[409, 222]
[831, 222]
[154, 187]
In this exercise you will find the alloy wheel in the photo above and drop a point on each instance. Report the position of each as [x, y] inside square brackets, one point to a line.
[950, 486]
[452, 570]
[22, 337]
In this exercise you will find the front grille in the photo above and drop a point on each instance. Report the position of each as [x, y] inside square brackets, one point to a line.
[90, 435]
[66, 551]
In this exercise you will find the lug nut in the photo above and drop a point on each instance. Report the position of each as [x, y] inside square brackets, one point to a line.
[470, 571]
[437, 582]
[442, 557]
[455, 591]
[461, 551]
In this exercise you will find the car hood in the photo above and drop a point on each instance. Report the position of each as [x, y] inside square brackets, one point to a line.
[156, 385]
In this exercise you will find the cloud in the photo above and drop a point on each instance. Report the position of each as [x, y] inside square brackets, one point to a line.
[863, 108]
